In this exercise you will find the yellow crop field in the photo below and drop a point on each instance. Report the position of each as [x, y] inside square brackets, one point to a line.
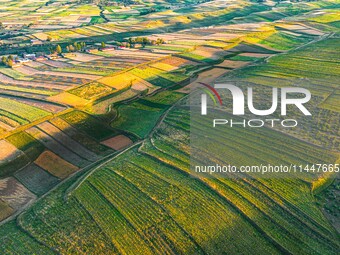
[119, 81]
[55, 165]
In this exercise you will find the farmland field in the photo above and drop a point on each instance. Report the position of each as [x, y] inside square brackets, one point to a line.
[155, 180]
[100, 141]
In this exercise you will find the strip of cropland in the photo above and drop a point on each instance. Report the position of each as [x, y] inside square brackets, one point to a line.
[146, 202]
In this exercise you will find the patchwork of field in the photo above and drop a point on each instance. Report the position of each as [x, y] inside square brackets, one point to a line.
[41, 156]
[314, 67]
[44, 89]
[83, 79]
[146, 202]
[52, 86]
[66, 119]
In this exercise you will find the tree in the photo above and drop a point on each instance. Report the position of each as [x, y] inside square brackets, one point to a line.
[75, 44]
[145, 41]
[160, 41]
[4, 60]
[58, 49]
[83, 45]
[1, 25]
[131, 41]
[71, 47]
[102, 45]
[10, 62]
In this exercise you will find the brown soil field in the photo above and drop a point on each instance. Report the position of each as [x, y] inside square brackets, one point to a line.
[31, 71]
[8, 151]
[74, 75]
[50, 143]
[6, 79]
[5, 210]
[67, 141]
[118, 142]
[55, 165]
[14, 193]
[178, 62]
[255, 55]
[34, 64]
[206, 77]
[27, 70]
[55, 63]
[233, 64]
[82, 57]
[210, 52]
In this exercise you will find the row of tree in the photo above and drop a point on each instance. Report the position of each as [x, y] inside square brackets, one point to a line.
[76, 46]
[144, 41]
[7, 61]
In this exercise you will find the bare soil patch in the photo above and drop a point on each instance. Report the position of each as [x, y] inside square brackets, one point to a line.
[118, 142]
[14, 193]
[55, 165]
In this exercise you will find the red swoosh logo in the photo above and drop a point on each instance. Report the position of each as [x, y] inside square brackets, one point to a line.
[213, 90]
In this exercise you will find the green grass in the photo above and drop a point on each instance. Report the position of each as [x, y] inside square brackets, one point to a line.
[141, 116]
[243, 58]
[284, 41]
[327, 18]
[194, 56]
[18, 242]
[97, 20]
[332, 102]
[137, 119]
[165, 97]
[158, 77]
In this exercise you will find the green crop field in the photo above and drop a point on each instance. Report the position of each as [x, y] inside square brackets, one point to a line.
[141, 117]
[178, 211]
[88, 125]
[99, 140]
[26, 143]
